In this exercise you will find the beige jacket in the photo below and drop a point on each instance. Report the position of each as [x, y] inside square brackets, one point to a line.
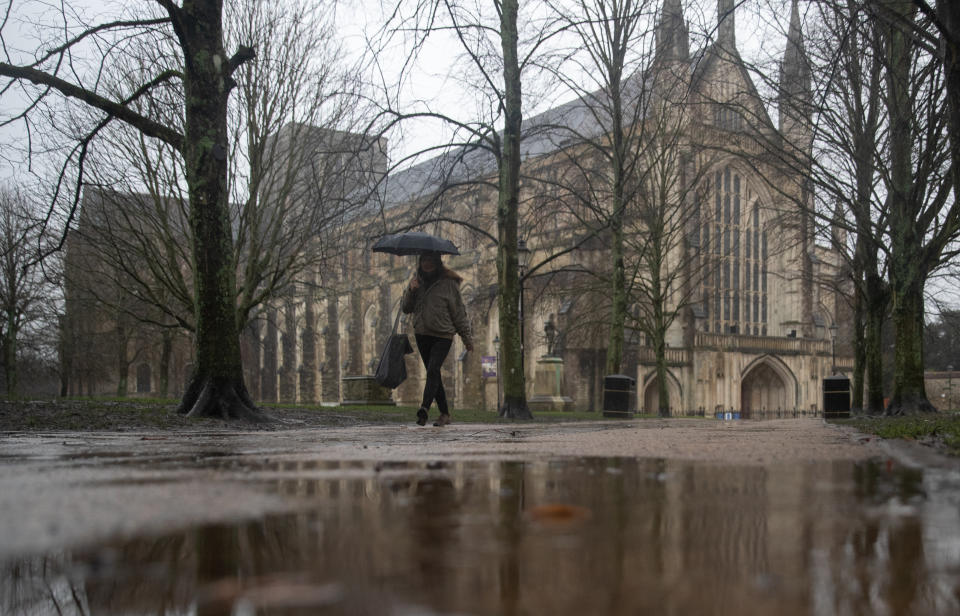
[438, 309]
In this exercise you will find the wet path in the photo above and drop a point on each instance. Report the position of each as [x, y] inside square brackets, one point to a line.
[414, 531]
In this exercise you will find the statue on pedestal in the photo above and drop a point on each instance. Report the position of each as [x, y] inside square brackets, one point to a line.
[550, 331]
[548, 376]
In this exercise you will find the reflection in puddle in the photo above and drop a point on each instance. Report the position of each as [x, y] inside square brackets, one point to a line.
[566, 536]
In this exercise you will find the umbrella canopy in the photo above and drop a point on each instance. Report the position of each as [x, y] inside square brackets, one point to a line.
[414, 243]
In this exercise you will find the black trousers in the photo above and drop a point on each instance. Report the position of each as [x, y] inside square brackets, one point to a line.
[433, 351]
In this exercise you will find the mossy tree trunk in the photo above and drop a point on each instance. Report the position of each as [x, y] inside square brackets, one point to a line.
[655, 258]
[514, 380]
[618, 289]
[663, 392]
[122, 358]
[909, 393]
[859, 350]
[216, 388]
[618, 293]
[9, 342]
[877, 300]
[166, 354]
[864, 72]
[909, 264]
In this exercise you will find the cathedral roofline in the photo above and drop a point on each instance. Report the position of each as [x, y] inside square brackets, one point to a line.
[552, 130]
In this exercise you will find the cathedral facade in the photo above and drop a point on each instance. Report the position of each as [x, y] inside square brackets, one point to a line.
[752, 324]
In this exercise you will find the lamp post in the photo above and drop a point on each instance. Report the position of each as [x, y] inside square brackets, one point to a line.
[496, 350]
[523, 257]
[833, 349]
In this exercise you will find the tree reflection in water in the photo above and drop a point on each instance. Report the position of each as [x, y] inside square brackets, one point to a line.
[561, 536]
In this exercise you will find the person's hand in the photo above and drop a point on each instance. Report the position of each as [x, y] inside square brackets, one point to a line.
[414, 283]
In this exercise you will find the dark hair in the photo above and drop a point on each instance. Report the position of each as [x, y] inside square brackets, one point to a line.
[439, 271]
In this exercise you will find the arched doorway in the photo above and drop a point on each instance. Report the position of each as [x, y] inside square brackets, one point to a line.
[764, 387]
[651, 394]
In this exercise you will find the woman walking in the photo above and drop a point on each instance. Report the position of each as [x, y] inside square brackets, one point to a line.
[433, 296]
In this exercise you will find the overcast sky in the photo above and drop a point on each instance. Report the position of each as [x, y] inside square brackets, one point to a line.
[760, 32]
[757, 36]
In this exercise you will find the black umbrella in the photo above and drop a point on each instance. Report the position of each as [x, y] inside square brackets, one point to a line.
[414, 243]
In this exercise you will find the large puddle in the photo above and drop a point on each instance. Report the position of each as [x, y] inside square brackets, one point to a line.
[568, 536]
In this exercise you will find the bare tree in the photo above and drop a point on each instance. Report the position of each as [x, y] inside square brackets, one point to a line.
[632, 159]
[614, 42]
[882, 156]
[497, 55]
[205, 73]
[942, 37]
[849, 137]
[295, 173]
[25, 293]
[924, 225]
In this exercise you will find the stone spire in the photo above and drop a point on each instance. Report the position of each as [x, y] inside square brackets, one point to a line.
[726, 24]
[796, 126]
[673, 38]
[795, 90]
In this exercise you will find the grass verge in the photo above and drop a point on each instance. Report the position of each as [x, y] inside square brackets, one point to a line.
[132, 414]
[941, 430]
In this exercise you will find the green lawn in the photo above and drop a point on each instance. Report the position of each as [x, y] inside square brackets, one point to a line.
[941, 430]
[97, 414]
[404, 414]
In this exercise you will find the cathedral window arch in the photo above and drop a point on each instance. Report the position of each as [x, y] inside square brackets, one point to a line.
[727, 118]
[733, 254]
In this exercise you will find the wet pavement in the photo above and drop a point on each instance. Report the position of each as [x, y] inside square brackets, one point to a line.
[476, 520]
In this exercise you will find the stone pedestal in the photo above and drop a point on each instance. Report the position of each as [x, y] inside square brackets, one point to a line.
[365, 390]
[548, 387]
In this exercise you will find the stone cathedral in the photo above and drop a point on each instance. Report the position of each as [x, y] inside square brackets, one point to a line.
[752, 294]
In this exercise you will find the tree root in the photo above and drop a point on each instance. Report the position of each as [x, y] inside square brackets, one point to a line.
[515, 409]
[220, 398]
[909, 405]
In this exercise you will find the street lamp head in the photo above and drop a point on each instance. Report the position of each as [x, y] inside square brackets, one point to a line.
[523, 255]
[833, 330]
[496, 344]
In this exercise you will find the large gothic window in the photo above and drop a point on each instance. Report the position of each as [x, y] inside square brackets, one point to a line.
[733, 256]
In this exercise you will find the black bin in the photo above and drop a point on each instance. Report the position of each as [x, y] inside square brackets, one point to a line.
[616, 395]
[836, 397]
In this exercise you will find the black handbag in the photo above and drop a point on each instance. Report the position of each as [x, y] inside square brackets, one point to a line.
[392, 369]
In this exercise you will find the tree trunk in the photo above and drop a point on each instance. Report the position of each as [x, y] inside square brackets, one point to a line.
[10, 357]
[166, 352]
[876, 312]
[949, 13]
[907, 269]
[909, 393]
[123, 367]
[663, 393]
[514, 380]
[658, 301]
[618, 309]
[216, 388]
[859, 347]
